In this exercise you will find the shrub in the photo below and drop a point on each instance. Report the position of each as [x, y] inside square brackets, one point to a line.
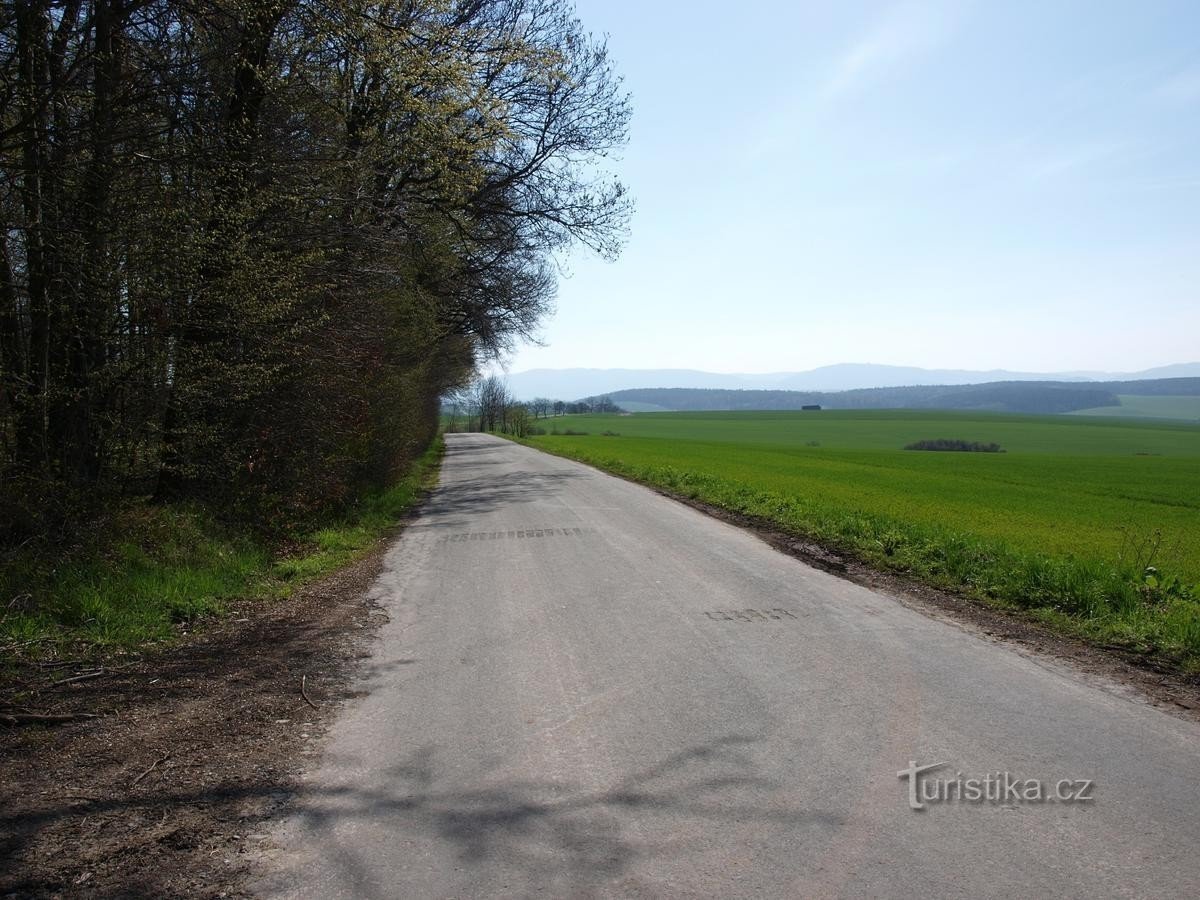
[955, 444]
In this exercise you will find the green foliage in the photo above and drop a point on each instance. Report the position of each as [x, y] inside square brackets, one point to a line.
[954, 445]
[149, 572]
[1068, 525]
[246, 249]
[516, 421]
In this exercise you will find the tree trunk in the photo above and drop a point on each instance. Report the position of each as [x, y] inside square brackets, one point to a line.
[32, 410]
[79, 425]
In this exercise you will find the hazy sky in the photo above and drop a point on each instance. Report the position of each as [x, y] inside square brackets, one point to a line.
[946, 184]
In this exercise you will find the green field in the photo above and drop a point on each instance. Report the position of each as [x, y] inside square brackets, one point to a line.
[1143, 407]
[1052, 524]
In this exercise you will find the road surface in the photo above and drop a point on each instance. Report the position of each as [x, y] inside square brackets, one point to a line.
[586, 689]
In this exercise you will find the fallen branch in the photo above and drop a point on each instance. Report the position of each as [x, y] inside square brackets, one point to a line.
[154, 765]
[304, 693]
[24, 718]
[13, 602]
[8, 648]
[84, 677]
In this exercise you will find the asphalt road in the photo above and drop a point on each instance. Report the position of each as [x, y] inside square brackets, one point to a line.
[585, 689]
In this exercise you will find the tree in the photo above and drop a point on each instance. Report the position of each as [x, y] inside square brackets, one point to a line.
[493, 401]
[517, 420]
[248, 246]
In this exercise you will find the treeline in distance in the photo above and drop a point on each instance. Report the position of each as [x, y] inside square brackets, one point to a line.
[1037, 397]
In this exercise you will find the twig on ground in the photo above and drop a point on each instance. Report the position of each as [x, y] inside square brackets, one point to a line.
[84, 677]
[20, 718]
[9, 648]
[304, 693]
[11, 603]
[154, 765]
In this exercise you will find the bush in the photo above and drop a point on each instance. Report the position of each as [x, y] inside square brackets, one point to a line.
[954, 444]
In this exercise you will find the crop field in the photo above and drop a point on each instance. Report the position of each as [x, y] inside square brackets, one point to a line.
[1065, 520]
[1139, 406]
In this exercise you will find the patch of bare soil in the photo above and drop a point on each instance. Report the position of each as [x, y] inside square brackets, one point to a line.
[1117, 669]
[159, 794]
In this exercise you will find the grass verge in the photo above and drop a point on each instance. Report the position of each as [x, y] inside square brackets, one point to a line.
[1120, 602]
[157, 570]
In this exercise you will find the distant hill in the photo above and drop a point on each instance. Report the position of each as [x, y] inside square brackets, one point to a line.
[574, 383]
[1001, 396]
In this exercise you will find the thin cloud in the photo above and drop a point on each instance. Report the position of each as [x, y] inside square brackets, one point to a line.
[1081, 156]
[1182, 87]
[906, 31]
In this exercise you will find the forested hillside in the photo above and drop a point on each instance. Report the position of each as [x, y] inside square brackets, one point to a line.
[247, 244]
[1001, 396]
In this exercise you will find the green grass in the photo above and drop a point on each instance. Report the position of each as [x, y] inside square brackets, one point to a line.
[638, 406]
[1139, 406]
[1048, 526]
[153, 571]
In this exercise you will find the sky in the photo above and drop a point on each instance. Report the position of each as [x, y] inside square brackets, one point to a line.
[946, 184]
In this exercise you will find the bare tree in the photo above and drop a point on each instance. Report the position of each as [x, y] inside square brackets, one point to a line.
[493, 400]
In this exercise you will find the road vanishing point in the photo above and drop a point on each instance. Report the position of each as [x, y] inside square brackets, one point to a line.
[586, 689]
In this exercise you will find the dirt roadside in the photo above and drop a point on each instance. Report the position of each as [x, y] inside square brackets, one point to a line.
[161, 794]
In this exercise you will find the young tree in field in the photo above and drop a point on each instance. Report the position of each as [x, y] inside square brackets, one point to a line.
[517, 420]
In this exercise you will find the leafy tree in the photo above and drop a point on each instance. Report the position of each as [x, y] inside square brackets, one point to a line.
[248, 245]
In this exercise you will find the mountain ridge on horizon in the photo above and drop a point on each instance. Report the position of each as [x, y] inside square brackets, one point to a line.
[575, 383]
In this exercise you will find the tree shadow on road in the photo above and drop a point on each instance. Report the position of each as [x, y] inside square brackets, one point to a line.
[372, 835]
[529, 834]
